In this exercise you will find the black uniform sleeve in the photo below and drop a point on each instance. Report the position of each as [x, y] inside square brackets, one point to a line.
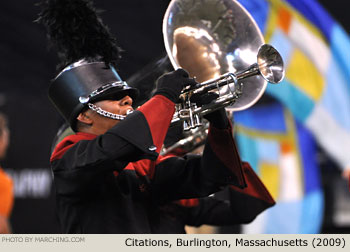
[237, 206]
[212, 211]
[197, 176]
[86, 162]
[129, 140]
[238, 209]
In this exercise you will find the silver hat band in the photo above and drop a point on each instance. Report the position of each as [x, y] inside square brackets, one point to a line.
[105, 113]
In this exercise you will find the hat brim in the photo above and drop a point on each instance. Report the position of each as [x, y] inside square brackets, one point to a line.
[116, 93]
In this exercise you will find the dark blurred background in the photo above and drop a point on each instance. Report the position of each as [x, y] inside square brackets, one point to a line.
[26, 67]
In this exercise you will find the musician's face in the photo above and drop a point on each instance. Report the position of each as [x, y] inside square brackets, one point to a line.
[100, 124]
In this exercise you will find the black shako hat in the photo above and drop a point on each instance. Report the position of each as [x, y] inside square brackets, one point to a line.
[86, 82]
[88, 53]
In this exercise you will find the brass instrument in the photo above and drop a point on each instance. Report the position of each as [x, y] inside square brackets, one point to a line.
[218, 43]
[190, 141]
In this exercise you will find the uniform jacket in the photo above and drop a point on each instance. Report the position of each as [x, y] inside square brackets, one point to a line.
[116, 182]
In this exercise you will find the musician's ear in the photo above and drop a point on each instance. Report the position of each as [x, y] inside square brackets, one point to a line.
[85, 118]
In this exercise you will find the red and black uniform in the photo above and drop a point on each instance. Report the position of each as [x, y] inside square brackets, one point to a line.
[240, 206]
[116, 182]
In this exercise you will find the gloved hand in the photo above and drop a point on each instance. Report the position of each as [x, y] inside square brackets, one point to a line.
[171, 84]
[217, 118]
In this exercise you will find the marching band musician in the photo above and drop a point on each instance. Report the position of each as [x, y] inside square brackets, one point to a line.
[109, 177]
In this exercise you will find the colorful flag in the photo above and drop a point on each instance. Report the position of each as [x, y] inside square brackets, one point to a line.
[315, 49]
[283, 152]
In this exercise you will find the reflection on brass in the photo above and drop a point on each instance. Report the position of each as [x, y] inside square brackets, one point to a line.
[215, 16]
[219, 35]
[195, 55]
